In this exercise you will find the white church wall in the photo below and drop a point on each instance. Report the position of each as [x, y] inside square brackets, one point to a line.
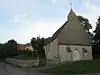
[83, 55]
[88, 55]
[46, 50]
[79, 48]
[51, 49]
[67, 56]
[64, 54]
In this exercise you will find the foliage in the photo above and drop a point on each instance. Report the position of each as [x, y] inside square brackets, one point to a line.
[38, 44]
[86, 24]
[28, 53]
[8, 49]
[12, 41]
[97, 32]
[96, 51]
[78, 67]
[96, 40]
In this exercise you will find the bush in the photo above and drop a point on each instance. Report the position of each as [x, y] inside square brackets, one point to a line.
[8, 50]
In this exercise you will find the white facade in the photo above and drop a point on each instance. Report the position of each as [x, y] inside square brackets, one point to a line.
[76, 55]
[77, 52]
[51, 49]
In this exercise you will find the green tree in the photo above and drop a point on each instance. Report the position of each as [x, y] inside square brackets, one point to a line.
[12, 41]
[8, 49]
[86, 24]
[38, 44]
[34, 43]
[96, 40]
[97, 32]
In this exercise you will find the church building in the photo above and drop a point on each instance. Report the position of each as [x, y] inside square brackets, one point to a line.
[70, 42]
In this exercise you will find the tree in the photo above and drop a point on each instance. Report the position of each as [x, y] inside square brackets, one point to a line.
[34, 43]
[86, 24]
[12, 41]
[97, 32]
[9, 49]
[96, 40]
[38, 44]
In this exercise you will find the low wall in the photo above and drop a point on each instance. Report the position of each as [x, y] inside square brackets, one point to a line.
[23, 63]
[52, 61]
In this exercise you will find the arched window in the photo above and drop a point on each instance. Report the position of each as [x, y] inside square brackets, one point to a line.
[84, 49]
[76, 55]
[84, 53]
[68, 49]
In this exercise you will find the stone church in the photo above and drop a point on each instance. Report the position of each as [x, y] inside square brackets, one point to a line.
[70, 42]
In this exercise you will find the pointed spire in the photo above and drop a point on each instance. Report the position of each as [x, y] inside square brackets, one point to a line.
[71, 14]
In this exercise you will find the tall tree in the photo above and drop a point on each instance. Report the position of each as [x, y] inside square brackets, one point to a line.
[38, 44]
[86, 24]
[96, 40]
[97, 31]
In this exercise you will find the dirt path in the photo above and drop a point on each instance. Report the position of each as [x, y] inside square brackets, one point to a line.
[7, 69]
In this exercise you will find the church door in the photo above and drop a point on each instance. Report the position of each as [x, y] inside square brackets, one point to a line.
[76, 55]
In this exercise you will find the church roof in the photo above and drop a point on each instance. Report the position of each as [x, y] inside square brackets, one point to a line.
[50, 39]
[71, 32]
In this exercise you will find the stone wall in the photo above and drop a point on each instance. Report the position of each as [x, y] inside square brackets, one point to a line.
[23, 63]
[52, 61]
[66, 55]
[51, 49]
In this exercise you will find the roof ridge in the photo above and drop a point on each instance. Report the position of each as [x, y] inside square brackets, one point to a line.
[54, 36]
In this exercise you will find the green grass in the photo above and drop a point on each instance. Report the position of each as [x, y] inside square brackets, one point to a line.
[79, 67]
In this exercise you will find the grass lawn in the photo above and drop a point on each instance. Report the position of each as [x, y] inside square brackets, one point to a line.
[79, 67]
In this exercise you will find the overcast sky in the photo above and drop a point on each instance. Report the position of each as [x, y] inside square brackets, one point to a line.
[23, 19]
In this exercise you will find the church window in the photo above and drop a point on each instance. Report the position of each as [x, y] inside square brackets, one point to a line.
[68, 49]
[85, 51]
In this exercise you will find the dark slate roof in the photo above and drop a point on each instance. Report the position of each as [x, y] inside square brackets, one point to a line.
[47, 40]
